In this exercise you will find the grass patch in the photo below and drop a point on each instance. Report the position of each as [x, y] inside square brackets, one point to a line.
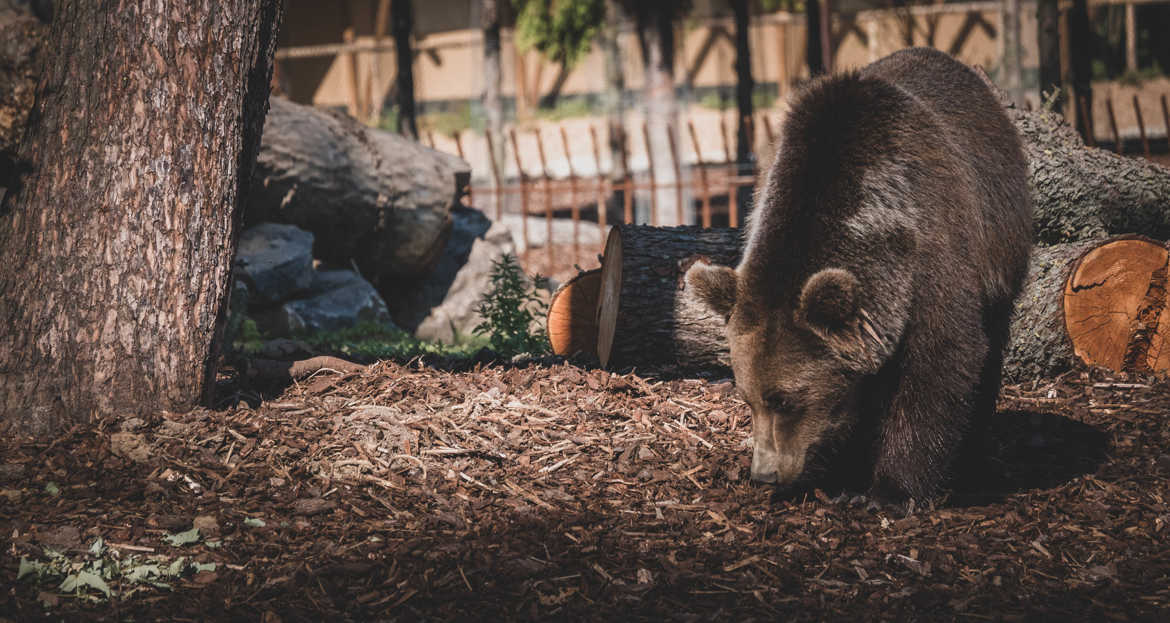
[370, 341]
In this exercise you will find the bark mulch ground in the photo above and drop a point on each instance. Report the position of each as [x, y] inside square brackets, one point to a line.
[556, 492]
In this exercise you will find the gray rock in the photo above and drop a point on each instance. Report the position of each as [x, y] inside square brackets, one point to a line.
[367, 195]
[338, 299]
[443, 304]
[274, 262]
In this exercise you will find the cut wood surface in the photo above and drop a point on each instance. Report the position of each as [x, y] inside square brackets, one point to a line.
[642, 320]
[572, 315]
[1100, 302]
[1115, 304]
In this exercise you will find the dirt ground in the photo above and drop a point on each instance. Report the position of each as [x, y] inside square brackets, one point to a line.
[551, 491]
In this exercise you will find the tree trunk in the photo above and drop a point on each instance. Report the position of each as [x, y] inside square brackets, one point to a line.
[402, 20]
[1010, 48]
[744, 85]
[1101, 302]
[615, 88]
[1048, 40]
[1081, 47]
[1084, 193]
[492, 106]
[813, 50]
[117, 248]
[641, 319]
[656, 35]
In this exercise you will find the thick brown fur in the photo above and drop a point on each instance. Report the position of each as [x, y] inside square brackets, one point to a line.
[889, 241]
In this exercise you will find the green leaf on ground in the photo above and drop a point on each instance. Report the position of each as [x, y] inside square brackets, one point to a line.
[183, 538]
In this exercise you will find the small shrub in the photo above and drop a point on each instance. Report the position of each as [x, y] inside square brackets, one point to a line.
[507, 311]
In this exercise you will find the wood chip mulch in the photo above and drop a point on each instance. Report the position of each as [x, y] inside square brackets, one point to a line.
[555, 492]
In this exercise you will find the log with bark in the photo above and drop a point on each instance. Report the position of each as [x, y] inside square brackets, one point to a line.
[642, 320]
[369, 196]
[1099, 302]
[1085, 193]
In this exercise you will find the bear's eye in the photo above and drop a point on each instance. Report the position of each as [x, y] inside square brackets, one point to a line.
[778, 402]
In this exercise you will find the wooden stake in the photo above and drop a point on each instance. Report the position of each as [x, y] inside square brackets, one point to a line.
[1137, 111]
[653, 184]
[459, 149]
[1166, 118]
[1113, 125]
[601, 206]
[1091, 139]
[628, 183]
[704, 189]
[548, 202]
[495, 174]
[573, 207]
[727, 155]
[678, 181]
[523, 193]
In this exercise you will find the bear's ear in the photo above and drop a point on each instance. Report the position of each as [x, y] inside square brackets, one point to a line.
[828, 301]
[713, 285]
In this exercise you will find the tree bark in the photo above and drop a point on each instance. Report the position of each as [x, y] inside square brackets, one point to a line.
[402, 26]
[117, 248]
[642, 319]
[1085, 193]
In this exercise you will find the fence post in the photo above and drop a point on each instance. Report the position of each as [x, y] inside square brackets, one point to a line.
[1113, 125]
[1137, 110]
[601, 206]
[496, 193]
[548, 206]
[523, 195]
[650, 168]
[678, 181]
[704, 190]
[575, 210]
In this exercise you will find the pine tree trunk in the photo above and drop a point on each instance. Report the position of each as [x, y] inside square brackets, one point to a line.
[117, 247]
[813, 49]
[656, 34]
[492, 106]
[744, 85]
[402, 26]
[1048, 40]
[1081, 47]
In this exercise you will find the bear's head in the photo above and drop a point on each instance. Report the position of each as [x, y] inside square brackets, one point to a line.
[797, 363]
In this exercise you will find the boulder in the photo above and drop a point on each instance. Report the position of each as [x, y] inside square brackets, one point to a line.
[443, 304]
[274, 262]
[338, 299]
[369, 196]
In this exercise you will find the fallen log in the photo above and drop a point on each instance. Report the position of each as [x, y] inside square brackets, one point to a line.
[641, 319]
[1099, 302]
[369, 196]
[1085, 193]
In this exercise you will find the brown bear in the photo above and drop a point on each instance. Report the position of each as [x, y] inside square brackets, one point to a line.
[868, 316]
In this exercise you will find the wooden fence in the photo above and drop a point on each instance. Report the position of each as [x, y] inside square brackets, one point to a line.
[714, 189]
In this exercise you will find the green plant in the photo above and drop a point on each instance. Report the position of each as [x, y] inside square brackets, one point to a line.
[507, 311]
[372, 341]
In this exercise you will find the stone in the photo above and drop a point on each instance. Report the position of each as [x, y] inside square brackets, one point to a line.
[338, 299]
[207, 525]
[369, 196]
[131, 446]
[274, 262]
[442, 305]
